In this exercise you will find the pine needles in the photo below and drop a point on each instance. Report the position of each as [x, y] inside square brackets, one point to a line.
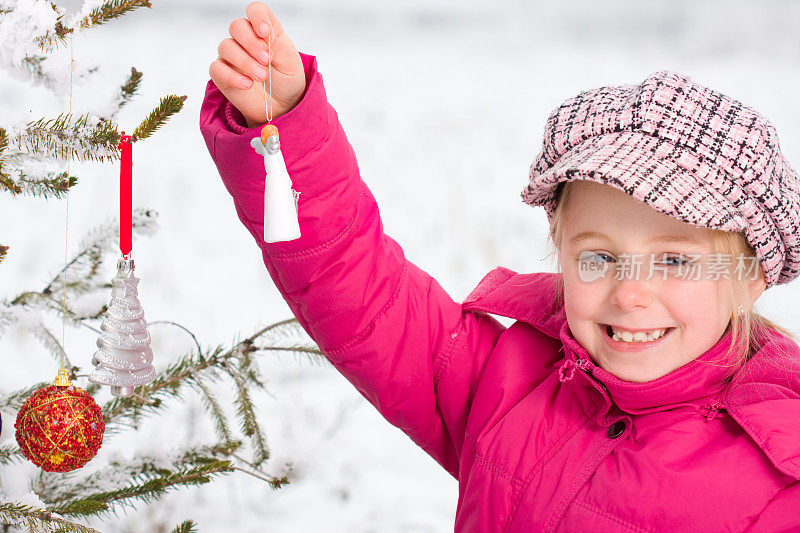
[110, 11]
[67, 137]
[147, 486]
[34, 519]
[129, 88]
[102, 14]
[185, 527]
[168, 106]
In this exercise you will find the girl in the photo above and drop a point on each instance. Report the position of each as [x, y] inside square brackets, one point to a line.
[637, 390]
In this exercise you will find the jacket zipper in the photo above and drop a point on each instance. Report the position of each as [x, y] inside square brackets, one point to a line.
[567, 371]
[591, 376]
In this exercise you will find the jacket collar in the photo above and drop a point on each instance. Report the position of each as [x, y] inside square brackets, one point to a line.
[696, 383]
[763, 395]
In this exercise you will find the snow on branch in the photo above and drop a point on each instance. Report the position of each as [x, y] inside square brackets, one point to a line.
[35, 519]
[29, 27]
[65, 137]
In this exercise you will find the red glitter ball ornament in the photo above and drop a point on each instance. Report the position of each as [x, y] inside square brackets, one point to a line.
[60, 427]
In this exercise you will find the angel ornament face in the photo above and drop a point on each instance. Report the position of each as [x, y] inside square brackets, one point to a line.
[280, 200]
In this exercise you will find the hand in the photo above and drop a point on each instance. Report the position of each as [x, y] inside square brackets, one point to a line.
[242, 65]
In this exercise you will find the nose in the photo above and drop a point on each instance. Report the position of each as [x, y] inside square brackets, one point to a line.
[631, 294]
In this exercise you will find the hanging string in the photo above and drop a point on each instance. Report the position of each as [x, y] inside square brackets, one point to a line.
[268, 97]
[63, 363]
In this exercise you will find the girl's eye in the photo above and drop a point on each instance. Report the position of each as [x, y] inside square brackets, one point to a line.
[596, 256]
[674, 260]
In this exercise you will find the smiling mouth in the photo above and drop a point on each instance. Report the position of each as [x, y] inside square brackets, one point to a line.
[610, 334]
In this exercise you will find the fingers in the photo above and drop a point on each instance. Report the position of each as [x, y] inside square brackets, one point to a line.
[262, 20]
[224, 75]
[264, 24]
[244, 58]
[242, 32]
[233, 53]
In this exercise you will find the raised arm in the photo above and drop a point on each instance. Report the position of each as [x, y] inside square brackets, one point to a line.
[385, 324]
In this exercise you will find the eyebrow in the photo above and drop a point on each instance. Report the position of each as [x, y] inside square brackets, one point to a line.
[680, 239]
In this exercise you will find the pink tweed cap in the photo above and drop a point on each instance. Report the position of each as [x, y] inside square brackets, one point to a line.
[686, 151]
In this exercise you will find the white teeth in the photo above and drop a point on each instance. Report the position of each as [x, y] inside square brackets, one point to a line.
[639, 336]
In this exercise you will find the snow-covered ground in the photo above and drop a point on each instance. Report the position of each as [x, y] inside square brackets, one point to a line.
[444, 103]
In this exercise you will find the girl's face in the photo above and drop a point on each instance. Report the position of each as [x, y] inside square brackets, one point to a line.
[612, 244]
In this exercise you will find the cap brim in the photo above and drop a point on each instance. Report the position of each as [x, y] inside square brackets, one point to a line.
[669, 179]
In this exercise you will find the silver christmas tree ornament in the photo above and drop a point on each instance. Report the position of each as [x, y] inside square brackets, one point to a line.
[124, 359]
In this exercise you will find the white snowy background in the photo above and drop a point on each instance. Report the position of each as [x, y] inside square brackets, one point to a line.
[444, 103]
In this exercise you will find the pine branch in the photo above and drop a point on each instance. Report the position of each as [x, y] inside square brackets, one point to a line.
[8, 184]
[283, 338]
[111, 10]
[313, 354]
[274, 482]
[67, 137]
[126, 411]
[168, 106]
[37, 301]
[217, 414]
[185, 527]
[197, 368]
[58, 36]
[108, 11]
[15, 399]
[59, 489]
[34, 519]
[33, 65]
[5, 180]
[10, 453]
[199, 455]
[92, 388]
[129, 88]
[51, 185]
[3, 252]
[46, 337]
[147, 488]
[248, 421]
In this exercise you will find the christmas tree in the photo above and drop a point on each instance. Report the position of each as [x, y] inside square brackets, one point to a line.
[34, 161]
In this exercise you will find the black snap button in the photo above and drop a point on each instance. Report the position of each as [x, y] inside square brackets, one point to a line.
[616, 429]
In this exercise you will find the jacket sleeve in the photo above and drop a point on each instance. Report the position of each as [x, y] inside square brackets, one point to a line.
[782, 513]
[385, 324]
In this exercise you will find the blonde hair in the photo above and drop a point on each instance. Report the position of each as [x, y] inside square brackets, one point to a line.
[743, 327]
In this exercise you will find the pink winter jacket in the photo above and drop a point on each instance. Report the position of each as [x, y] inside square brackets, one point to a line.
[538, 437]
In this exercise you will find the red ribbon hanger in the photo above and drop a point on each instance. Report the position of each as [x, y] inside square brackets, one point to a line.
[125, 196]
